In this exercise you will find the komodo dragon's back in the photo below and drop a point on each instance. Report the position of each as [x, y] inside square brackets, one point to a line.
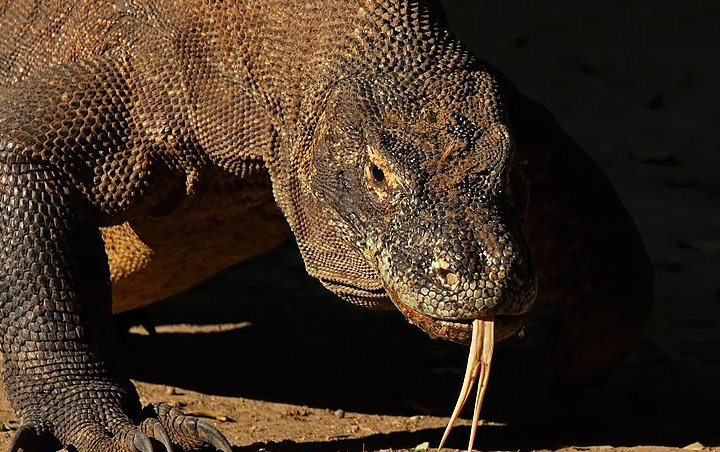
[146, 144]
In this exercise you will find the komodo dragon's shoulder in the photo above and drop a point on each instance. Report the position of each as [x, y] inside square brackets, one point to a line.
[199, 218]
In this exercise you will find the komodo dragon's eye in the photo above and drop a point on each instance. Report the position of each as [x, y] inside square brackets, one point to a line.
[379, 177]
[377, 173]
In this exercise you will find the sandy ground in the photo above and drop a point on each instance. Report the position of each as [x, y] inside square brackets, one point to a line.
[290, 368]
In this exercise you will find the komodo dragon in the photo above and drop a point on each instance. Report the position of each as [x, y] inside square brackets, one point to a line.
[147, 144]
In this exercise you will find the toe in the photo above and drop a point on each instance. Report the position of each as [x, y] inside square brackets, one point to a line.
[188, 431]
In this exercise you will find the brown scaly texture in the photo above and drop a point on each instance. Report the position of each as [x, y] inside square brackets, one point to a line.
[149, 143]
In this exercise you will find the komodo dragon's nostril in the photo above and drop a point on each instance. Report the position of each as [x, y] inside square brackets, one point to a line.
[445, 272]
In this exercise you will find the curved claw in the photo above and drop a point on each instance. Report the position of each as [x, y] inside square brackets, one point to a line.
[212, 436]
[142, 443]
[155, 429]
[160, 434]
[27, 439]
[24, 436]
[179, 423]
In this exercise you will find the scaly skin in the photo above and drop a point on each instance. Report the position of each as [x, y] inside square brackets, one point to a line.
[145, 144]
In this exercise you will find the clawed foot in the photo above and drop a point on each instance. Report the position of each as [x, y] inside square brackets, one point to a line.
[167, 427]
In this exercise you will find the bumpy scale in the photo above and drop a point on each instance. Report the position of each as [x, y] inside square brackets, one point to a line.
[147, 144]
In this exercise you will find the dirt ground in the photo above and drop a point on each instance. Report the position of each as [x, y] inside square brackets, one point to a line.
[283, 365]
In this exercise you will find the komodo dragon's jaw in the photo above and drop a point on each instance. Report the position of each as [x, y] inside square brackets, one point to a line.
[423, 202]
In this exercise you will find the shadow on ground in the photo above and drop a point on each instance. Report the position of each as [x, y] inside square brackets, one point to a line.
[303, 346]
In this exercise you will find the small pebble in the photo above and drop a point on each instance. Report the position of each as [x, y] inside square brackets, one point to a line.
[339, 414]
[170, 391]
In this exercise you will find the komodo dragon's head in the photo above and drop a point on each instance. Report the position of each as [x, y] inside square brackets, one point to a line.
[414, 198]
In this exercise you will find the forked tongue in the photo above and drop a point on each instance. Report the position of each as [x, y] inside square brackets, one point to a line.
[481, 350]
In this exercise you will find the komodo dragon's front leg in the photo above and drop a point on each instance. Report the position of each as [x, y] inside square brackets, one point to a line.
[70, 162]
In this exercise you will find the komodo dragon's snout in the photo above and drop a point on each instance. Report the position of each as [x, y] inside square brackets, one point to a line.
[429, 196]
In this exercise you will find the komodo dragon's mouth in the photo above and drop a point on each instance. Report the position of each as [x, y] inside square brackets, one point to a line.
[460, 331]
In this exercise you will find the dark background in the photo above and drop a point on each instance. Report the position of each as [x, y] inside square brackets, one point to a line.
[637, 84]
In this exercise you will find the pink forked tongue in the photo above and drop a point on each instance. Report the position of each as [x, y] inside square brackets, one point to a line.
[481, 350]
